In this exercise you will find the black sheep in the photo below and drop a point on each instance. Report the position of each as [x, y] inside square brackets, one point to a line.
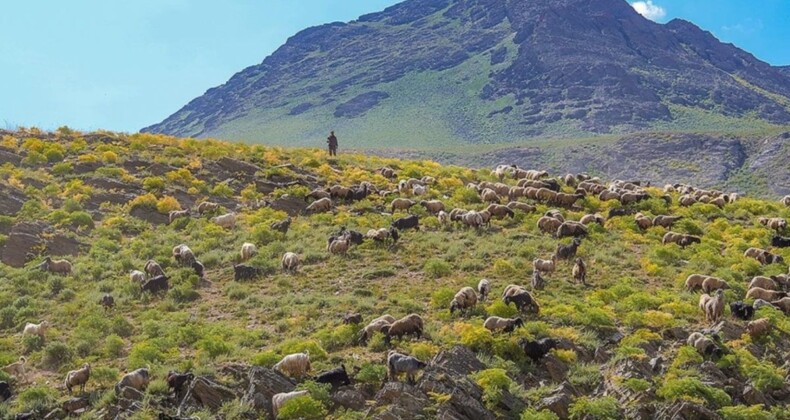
[552, 184]
[741, 310]
[567, 252]
[408, 222]
[536, 350]
[352, 319]
[358, 193]
[524, 302]
[336, 377]
[621, 212]
[107, 301]
[176, 381]
[245, 272]
[687, 240]
[282, 226]
[156, 284]
[5, 391]
[517, 323]
[352, 236]
[200, 270]
[780, 242]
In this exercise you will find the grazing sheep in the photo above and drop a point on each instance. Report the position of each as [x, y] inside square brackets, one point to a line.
[245, 272]
[294, 365]
[783, 304]
[136, 276]
[549, 225]
[566, 200]
[419, 190]
[546, 195]
[56, 266]
[336, 377]
[499, 211]
[714, 307]
[607, 195]
[759, 327]
[523, 300]
[386, 172]
[769, 258]
[199, 269]
[176, 381]
[337, 246]
[411, 324]
[780, 242]
[486, 217]
[353, 237]
[321, 205]
[767, 295]
[570, 180]
[380, 324]
[555, 214]
[318, 194]
[339, 191]
[473, 219]
[183, 254]
[622, 211]
[384, 235]
[443, 217]
[177, 214]
[465, 298]
[483, 289]
[631, 198]
[508, 325]
[408, 222]
[352, 319]
[207, 207]
[153, 268]
[537, 282]
[156, 285]
[775, 223]
[402, 204]
[137, 379]
[567, 252]
[17, 369]
[536, 350]
[78, 377]
[36, 329]
[686, 200]
[290, 262]
[456, 215]
[398, 363]
[694, 281]
[741, 310]
[281, 226]
[785, 200]
[763, 282]
[516, 205]
[760, 303]
[107, 302]
[248, 251]
[433, 206]
[5, 391]
[225, 221]
[643, 222]
[666, 221]
[574, 229]
[713, 283]
[545, 266]
[279, 400]
[704, 345]
[490, 196]
[580, 271]
[681, 239]
[589, 219]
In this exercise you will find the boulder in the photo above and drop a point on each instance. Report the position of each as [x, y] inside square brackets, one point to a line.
[207, 393]
[560, 400]
[22, 241]
[459, 360]
[686, 410]
[555, 367]
[110, 184]
[264, 384]
[75, 405]
[57, 413]
[235, 166]
[753, 396]
[12, 201]
[405, 400]
[150, 215]
[291, 205]
[9, 157]
[349, 397]
[129, 393]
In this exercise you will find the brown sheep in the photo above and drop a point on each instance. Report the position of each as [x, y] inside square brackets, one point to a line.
[759, 327]
[580, 271]
[549, 225]
[515, 205]
[320, 206]
[516, 192]
[643, 222]
[712, 283]
[501, 189]
[465, 298]
[207, 207]
[763, 282]
[566, 200]
[589, 219]
[607, 195]
[499, 211]
[56, 266]
[686, 200]
[380, 324]
[666, 221]
[318, 194]
[570, 180]
[760, 293]
[546, 195]
[574, 229]
[433, 206]
[409, 325]
[775, 223]
[630, 198]
[489, 196]
[555, 214]
[714, 307]
[783, 304]
[523, 300]
[694, 281]
[402, 204]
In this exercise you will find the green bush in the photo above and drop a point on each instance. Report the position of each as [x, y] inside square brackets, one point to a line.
[436, 268]
[533, 414]
[214, 346]
[81, 219]
[493, 382]
[37, 398]
[184, 293]
[113, 346]
[742, 412]
[317, 353]
[304, 407]
[154, 183]
[441, 298]
[320, 392]
[595, 408]
[371, 373]
[57, 355]
[266, 359]
[145, 353]
[692, 389]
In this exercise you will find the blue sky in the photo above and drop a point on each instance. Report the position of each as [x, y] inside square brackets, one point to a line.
[122, 65]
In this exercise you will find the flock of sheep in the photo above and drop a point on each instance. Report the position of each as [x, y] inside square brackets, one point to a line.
[531, 184]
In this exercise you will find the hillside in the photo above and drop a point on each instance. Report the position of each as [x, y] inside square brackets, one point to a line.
[102, 200]
[438, 73]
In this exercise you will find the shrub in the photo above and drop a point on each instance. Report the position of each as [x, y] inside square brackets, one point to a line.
[145, 200]
[184, 293]
[437, 268]
[113, 345]
[304, 407]
[214, 346]
[493, 382]
[266, 359]
[62, 168]
[7, 316]
[222, 190]
[300, 346]
[742, 412]
[37, 398]
[371, 373]
[338, 338]
[144, 353]
[167, 204]
[109, 157]
[596, 408]
[585, 375]
[533, 414]
[153, 183]
[498, 308]
[321, 392]
[81, 219]
[57, 355]
[441, 298]
[692, 389]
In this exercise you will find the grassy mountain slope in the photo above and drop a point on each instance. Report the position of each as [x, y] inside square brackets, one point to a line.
[104, 196]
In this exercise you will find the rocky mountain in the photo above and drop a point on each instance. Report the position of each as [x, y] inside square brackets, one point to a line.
[442, 72]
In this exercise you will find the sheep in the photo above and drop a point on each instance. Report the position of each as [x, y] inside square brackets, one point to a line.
[516, 192]
[589, 219]
[500, 211]
[383, 235]
[136, 276]
[580, 271]
[759, 327]
[177, 214]
[225, 221]
[321, 205]
[386, 172]
[398, 363]
[337, 246]
[339, 191]
[176, 381]
[281, 226]
[408, 222]
[153, 268]
[411, 324]
[489, 196]
[443, 217]
[245, 272]
[137, 379]
[279, 400]
[318, 194]
[546, 195]
[762, 282]
[433, 206]
[719, 202]
[485, 216]
[713, 283]
[380, 324]
[783, 304]
[183, 254]
[785, 200]
[643, 222]
[483, 289]
[767, 295]
[616, 212]
[465, 298]
[516, 205]
[607, 195]
[199, 269]
[570, 180]
[567, 252]
[78, 377]
[536, 350]
[508, 325]
[574, 229]
[694, 281]
[549, 225]
[36, 329]
[56, 266]
[156, 285]
[473, 219]
[681, 239]
[402, 204]
[769, 258]
[5, 391]
[207, 207]
[294, 365]
[686, 200]
[537, 282]
[336, 377]
[714, 306]
[523, 300]
[352, 319]
[775, 223]
[545, 266]
[631, 198]
[107, 302]
[17, 369]
[456, 214]
[290, 262]
[500, 188]
[741, 310]
[760, 303]
[419, 190]
[704, 345]
[780, 242]
[248, 250]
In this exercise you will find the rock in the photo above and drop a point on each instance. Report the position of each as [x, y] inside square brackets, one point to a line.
[97, 199]
[560, 400]
[726, 329]
[61, 245]
[405, 399]
[686, 410]
[9, 157]
[81, 168]
[207, 393]
[712, 374]
[555, 367]
[110, 184]
[291, 205]
[132, 394]
[349, 397]
[160, 169]
[602, 355]
[75, 405]
[57, 413]
[676, 333]
[12, 201]
[150, 215]
[108, 413]
[458, 360]
[264, 384]
[465, 396]
[753, 396]
[23, 239]
[236, 166]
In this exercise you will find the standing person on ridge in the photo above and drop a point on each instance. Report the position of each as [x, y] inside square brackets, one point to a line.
[332, 142]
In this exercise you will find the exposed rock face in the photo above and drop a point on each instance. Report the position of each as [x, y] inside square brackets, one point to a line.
[264, 384]
[23, 240]
[12, 201]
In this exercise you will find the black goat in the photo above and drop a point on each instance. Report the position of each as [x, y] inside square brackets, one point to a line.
[176, 381]
[408, 222]
[156, 285]
[336, 377]
[621, 212]
[5, 391]
[567, 252]
[741, 310]
[780, 242]
[245, 272]
[536, 350]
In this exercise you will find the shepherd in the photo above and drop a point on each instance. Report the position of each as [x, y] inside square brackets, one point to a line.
[332, 142]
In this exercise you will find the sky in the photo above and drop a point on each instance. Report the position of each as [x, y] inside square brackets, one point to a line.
[122, 65]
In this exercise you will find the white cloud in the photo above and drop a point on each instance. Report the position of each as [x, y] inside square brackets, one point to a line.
[649, 10]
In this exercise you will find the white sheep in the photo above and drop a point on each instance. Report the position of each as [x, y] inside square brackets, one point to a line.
[36, 329]
[320, 206]
[248, 251]
[278, 400]
[443, 217]
[56, 266]
[137, 276]
[137, 379]
[483, 288]
[465, 298]
[290, 262]
[294, 365]
[78, 377]
[545, 266]
[226, 221]
[419, 190]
